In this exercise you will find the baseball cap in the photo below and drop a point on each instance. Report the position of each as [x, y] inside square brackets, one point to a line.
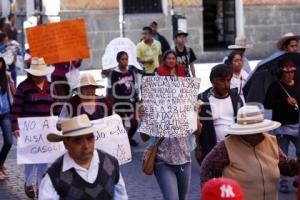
[222, 189]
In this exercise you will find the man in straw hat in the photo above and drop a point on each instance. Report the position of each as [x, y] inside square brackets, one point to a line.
[83, 172]
[288, 43]
[86, 101]
[241, 45]
[33, 98]
[250, 156]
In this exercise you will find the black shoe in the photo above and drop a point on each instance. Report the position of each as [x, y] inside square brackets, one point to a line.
[133, 143]
[29, 191]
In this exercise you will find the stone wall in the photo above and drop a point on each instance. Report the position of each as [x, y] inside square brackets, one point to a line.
[103, 26]
[264, 24]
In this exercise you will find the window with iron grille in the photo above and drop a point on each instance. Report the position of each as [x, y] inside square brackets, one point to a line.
[142, 6]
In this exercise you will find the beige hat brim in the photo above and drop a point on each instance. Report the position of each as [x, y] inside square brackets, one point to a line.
[83, 85]
[248, 46]
[36, 72]
[53, 137]
[251, 129]
[282, 40]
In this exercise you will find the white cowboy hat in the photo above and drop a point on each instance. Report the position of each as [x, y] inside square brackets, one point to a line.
[74, 127]
[250, 120]
[87, 80]
[240, 43]
[284, 38]
[38, 67]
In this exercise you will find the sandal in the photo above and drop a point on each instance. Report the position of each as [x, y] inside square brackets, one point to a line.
[4, 170]
[29, 191]
[2, 177]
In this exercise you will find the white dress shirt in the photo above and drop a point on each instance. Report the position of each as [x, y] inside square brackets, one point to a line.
[239, 81]
[47, 191]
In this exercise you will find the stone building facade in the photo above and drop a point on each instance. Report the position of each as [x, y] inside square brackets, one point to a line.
[212, 24]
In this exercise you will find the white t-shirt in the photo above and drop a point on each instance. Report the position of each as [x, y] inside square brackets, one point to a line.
[222, 114]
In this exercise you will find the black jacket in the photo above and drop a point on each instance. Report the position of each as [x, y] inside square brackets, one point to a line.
[208, 138]
[164, 43]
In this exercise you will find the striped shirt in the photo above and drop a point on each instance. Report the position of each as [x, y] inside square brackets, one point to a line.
[31, 101]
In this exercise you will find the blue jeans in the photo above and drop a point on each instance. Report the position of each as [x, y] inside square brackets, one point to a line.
[5, 125]
[30, 170]
[173, 180]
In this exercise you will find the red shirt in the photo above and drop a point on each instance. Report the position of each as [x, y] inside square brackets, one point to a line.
[164, 70]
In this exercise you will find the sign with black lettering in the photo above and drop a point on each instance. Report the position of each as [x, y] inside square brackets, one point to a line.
[33, 146]
[112, 138]
[169, 105]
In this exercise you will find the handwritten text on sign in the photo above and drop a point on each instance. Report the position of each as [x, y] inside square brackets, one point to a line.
[33, 146]
[112, 138]
[59, 42]
[169, 104]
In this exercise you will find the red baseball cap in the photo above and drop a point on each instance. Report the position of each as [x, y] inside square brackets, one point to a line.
[222, 189]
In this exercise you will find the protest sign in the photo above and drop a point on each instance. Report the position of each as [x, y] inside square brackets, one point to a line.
[33, 146]
[59, 42]
[114, 47]
[169, 104]
[112, 138]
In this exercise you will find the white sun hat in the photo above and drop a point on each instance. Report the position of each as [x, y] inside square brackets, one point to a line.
[286, 37]
[240, 43]
[38, 67]
[74, 127]
[250, 120]
[88, 79]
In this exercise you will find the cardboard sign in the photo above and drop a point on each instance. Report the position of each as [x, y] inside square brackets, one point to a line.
[169, 104]
[59, 42]
[33, 146]
[112, 138]
[114, 47]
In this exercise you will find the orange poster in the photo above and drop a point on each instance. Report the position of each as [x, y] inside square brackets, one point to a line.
[59, 42]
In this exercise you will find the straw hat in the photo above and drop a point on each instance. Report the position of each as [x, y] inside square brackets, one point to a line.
[240, 43]
[87, 80]
[286, 37]
[250, 120]
[74, 127]
[38, 67]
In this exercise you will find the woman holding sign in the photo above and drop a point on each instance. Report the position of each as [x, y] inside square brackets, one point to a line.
[7, 90]
[173, 159]
[33, 98]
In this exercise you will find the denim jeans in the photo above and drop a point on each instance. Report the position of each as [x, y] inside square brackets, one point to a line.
[172, 178]
[5, 125]
[30, 169]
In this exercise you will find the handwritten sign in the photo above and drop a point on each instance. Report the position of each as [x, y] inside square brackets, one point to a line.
[169, 104]
[114, 47]
[33, 146]
[59, 42]
[112, 138]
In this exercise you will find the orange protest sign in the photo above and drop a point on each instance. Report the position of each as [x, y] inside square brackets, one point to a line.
[59, 42]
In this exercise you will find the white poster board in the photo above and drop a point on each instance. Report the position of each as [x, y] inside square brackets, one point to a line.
[169, 104]
[112, 138]
[109, 59]
[33, 146]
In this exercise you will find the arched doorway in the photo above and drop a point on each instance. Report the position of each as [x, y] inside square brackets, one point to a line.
[218, 24]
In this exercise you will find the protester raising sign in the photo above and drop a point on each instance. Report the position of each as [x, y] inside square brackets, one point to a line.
[33, 146]
[112, 138]
[169, 104]
[59, 42]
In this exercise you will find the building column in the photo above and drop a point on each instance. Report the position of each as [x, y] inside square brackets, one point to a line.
[239, 16]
